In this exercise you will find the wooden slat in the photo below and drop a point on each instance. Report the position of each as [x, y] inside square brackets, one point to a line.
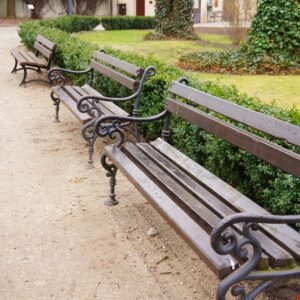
[279, 257]
[123, 65]
[33, 59]
[71, 104]
[42, 40]
[260, 121]
[42, 49]
[184, 199]
[188, 202]
[116, 76]
[20, 58]
[108, 108]
[283, 235]
[183, 224]
[278, 156]
[42, 62]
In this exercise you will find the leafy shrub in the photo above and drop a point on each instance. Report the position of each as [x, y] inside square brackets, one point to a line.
[236, 62]
[123, 23]
[272, 45]
[270, 187]
[72, 23]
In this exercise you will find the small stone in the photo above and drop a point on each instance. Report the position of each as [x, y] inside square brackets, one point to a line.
[152, 232]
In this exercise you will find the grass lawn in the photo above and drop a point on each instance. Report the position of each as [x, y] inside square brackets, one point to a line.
[284, 89]
[169, 51]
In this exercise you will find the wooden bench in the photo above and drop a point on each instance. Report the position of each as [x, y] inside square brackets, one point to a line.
[86, 103]
[41, 59]
[237, 238]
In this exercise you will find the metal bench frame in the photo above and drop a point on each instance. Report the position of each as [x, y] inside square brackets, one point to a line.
[110, 67]
[223, 237]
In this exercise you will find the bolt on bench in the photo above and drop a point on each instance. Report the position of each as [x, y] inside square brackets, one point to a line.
[236, 238]
[41, 59]
[86, 103]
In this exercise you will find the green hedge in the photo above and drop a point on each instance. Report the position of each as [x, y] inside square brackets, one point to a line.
[123, 23]
[72, 23]
[267, 185]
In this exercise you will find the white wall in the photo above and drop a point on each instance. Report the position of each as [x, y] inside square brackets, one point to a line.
[150, 8]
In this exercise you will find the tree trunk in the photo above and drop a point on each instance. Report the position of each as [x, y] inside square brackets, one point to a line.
[174, 17]
[11, 8]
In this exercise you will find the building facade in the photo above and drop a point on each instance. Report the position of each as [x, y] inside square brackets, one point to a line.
[204, 10]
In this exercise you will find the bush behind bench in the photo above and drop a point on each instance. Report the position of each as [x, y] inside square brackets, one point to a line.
[127, 22]
[268, 186]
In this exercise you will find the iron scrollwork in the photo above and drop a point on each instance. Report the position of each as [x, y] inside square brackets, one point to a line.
[225, 241]
[56, 76]
[113, 126]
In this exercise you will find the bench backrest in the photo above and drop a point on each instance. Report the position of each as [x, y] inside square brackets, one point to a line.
[272, 153]
[120, 71]
[45, 47]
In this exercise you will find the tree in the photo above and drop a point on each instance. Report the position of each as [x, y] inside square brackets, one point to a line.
[174, 18]
[274, 33]
[11, 8]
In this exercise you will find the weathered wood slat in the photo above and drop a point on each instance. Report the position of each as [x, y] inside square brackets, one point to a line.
[116, 76]
[45, 51]
[71, 104]
[17, 55]
[33, 59]
[41, 61]
[42, 40]
[276, 155]
[278, 256]
[115, 62]
[270, 125]
[283, 235]
[191, 231]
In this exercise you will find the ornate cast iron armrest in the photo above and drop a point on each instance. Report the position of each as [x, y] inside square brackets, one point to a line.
[112, 126]
[86, 103]
[225, 241]
[55, 75]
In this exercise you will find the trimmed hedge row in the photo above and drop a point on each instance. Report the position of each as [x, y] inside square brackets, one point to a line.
[267, 185]
[126, 22]
[72, 23]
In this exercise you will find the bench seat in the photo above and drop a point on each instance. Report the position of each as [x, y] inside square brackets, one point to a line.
[71, 94]
[236, 238]
[41, 59]
[194, 201]
[27, 58]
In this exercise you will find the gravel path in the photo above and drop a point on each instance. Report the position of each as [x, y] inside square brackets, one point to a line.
[58, 240]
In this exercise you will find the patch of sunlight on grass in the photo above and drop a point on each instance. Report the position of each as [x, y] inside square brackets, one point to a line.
[133, 40]
[283, 89]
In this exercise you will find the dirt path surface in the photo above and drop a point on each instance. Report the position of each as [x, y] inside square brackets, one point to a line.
[58, 240]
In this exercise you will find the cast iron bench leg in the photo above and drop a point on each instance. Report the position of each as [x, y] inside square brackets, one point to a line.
[56, 103]
[14, 70]
[111, 172]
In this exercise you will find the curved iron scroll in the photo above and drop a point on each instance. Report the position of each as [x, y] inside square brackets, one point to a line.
[86, 103]
[225, 241]
[113, 126]
[56, 77]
